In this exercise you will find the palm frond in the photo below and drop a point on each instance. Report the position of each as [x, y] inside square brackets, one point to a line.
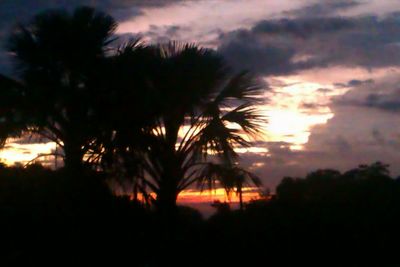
[247, 117]
[242, 87]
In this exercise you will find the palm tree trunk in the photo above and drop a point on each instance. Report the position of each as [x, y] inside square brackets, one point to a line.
[168, 185]
[240, 198]
[166, 200]
[73, 156]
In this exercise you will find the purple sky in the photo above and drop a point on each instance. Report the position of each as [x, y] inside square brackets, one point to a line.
[332, 70]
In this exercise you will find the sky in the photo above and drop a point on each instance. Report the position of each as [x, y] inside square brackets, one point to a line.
[331, 70]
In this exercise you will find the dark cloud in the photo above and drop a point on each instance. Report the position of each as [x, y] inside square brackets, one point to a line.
[324, 90]
[21, 10]
[284, 46]
[245, 50]
[308, 105]
[303, 27]
[354, 83]
[323, 8]
[388, 102]
[384, 95]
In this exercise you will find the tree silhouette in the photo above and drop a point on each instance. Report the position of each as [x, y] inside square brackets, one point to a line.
[129, 110]
[156, 114]
[55, 57]
[232, 178]
[202, 112]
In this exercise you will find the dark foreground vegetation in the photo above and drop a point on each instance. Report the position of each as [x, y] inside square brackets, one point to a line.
[349, 218]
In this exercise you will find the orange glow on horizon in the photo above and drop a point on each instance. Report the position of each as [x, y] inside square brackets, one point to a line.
[194, 196]
[219, 194]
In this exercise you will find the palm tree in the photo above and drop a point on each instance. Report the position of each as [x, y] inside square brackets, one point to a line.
[55, 58]
[232, 178]
[203, 112]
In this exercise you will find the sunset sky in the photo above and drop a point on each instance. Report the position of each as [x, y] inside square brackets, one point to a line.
[331, 70]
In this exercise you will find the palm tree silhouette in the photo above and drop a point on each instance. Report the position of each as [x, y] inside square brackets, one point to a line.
[158, 114]
[127, 113]
[202, 112]
[55, 57]
[232, 178]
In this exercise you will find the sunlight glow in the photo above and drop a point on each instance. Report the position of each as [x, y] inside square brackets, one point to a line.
[15, 152]
[295, 107]
[190, 196]
[219, 194]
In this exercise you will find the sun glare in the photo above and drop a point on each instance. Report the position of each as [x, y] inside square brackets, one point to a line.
[295, 107]
[15, 152]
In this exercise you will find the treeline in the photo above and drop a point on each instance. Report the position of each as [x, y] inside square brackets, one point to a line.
[327, 218]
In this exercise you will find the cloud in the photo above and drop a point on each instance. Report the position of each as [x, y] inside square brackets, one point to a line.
[281, 161]
[21, 10]
[244, 49]
[286, 46]
[303, 27]
[323, 8]
[383, 95]
[388, 102]
[362, 132]
[354, 83]
[359, 133]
